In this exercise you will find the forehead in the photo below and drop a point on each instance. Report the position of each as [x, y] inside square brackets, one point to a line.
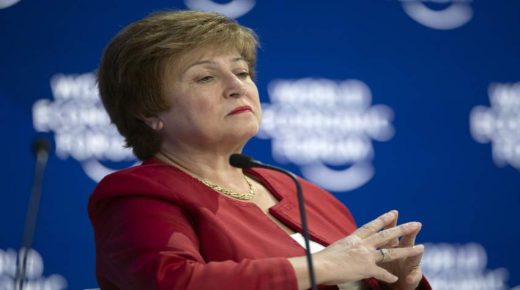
[196, 55]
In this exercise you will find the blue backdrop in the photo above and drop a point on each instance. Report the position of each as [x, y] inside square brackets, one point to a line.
[410, 104]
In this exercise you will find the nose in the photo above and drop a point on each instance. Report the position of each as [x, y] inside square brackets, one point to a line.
[234, 86]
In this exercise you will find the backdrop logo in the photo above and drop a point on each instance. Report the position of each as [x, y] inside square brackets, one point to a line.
[461, 267]
[232, 9]
[81, 127]
[439, 14]
[500, 123]
[7, 3]
[326, 127]
[35, 279]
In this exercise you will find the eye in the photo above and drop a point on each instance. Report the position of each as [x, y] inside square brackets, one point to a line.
[243, 74]
[204, 79]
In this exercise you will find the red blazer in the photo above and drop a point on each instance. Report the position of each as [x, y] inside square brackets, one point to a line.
[156, 227]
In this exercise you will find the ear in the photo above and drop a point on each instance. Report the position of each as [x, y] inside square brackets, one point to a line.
[153, 122]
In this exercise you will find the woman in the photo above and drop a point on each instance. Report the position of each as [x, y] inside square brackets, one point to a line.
[179, 87]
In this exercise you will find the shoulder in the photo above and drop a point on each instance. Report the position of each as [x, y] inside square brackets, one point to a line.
[151, 179]
[148, 175]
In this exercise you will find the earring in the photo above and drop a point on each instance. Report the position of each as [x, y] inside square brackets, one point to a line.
[154, 122]
[159, 124]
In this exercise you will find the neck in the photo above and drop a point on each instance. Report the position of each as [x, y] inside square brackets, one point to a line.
[205, 165]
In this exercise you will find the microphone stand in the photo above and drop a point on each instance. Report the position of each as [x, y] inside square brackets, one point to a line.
[243, 161]
[41, 149]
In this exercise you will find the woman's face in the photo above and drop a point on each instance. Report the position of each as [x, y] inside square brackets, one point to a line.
[214, 102]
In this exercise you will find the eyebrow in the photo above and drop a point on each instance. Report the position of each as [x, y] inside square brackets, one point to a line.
[234, 60]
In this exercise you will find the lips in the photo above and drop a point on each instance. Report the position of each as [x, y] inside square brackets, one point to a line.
[241, 109]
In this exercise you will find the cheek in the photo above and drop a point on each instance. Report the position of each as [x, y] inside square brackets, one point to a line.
[194, 106]
[255, 98]
[259, 113]
[204, 104]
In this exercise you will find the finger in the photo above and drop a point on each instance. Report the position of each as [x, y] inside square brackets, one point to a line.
[409, 240]
[383, 237]
[383, 275]
[415, 275]
[394, 242]
[394, 220]
[388, 255]
[374, 226]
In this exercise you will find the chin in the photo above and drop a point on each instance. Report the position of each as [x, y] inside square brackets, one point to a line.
[246, 133]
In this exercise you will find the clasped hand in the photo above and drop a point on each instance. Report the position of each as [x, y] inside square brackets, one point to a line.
[380, 249]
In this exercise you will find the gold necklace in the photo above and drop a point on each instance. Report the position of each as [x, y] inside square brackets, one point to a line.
[242, 196]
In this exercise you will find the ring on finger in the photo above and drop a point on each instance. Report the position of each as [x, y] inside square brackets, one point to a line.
[384, 255]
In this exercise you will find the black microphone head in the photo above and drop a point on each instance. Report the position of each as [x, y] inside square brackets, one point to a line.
[40, 145]
[240, 161]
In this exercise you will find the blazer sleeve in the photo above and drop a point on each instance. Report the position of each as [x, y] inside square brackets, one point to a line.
[147, 243]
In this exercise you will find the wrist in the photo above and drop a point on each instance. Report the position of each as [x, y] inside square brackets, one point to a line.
[301, 270]
[324, 270]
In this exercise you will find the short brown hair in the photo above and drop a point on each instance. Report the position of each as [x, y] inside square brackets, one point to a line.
[131, 71]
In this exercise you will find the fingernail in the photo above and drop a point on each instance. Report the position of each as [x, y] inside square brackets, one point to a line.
[419, 247]
[414, 225]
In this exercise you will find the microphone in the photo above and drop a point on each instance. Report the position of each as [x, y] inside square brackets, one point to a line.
[244, 161]
[40, 148]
